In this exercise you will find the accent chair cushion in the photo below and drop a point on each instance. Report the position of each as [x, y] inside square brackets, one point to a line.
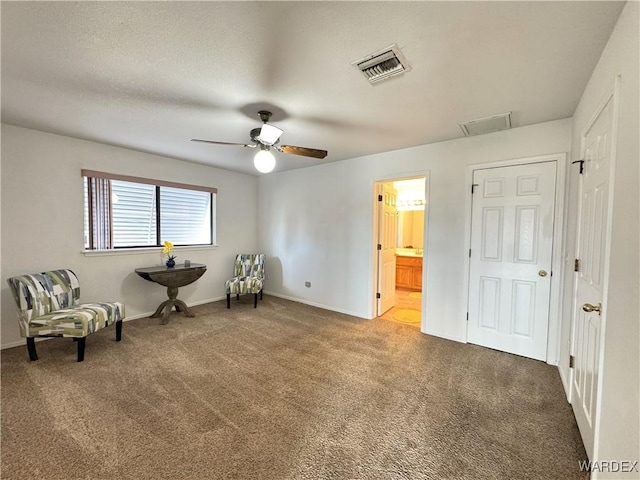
[77, 321]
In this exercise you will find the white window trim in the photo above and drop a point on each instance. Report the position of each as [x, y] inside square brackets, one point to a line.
[161, 183]
[144, 250]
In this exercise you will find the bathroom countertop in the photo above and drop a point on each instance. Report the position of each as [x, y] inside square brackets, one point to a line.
[408, 252]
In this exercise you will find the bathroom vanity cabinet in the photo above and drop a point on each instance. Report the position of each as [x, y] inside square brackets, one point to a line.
[409, 272]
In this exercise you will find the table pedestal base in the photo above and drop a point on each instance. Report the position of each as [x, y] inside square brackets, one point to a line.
[167, 305]
[172, 278]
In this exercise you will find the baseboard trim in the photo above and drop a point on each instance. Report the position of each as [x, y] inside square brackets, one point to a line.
[314, 304]
[446, 337]
[339, 310]
[565, 382]
[22, 341]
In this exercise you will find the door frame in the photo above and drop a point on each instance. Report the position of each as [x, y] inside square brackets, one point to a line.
[559, 252]
[374, 239]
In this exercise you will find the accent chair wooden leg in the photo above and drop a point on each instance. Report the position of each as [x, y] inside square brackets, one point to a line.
[31, 348]
[228, 300]
[255, 300]
[260, 294]
[237, 296]
[81, 344]
[118, 330]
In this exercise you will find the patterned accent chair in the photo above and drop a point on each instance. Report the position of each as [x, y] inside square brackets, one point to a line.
[248, 277]
[49, 306]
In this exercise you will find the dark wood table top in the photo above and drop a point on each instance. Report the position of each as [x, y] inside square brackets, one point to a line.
[178, 276]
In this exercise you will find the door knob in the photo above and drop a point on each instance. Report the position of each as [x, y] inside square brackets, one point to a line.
[542, 273]
[587, 307]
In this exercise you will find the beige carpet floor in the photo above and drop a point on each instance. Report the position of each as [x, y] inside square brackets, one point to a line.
[285, 391]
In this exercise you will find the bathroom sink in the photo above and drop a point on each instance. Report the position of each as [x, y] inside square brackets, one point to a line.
[408, 252]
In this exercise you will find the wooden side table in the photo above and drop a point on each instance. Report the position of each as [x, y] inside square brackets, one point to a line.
[172, 278]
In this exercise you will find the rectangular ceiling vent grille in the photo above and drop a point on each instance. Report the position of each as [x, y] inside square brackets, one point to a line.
[495, 123]
[383, 64]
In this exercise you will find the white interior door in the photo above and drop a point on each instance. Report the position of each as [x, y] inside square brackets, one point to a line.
[387, 238]
[511, 251]
[592, 230]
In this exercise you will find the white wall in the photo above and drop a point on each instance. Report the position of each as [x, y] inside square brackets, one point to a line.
[316, 224]
[619, 420]
[42, 221]
[411, 228]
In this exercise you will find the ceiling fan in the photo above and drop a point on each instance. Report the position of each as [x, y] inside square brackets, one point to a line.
[267, 137]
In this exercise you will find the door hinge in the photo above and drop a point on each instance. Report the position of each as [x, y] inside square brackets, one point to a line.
[572, 361]
[581, 162]
[467, 316]
[576, 265]
[379, 198]
[469, 253]
[378, 295]
[473, 187]
[379, 247]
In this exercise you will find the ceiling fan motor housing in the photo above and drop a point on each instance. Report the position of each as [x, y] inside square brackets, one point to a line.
[264, 115]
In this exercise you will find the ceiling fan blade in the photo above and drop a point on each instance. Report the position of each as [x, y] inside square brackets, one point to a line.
[305, 152]
[224, 143]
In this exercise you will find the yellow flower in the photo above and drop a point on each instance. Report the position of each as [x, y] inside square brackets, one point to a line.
[168, 246]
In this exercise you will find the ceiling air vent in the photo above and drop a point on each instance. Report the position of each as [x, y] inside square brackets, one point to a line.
[383, 64]
[491, 124]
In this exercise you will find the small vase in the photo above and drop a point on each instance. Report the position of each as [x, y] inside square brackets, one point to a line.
[171, 263]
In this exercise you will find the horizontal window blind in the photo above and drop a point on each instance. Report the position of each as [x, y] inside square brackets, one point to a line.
[134, 214]
[185, 216]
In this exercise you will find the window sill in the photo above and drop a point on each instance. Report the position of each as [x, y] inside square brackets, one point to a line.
[144, 250]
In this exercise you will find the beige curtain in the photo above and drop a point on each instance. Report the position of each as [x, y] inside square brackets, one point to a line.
[100, 213]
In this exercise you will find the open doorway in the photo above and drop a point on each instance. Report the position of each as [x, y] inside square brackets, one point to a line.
[400, 241]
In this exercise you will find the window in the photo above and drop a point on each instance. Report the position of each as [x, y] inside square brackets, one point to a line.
[130, 212]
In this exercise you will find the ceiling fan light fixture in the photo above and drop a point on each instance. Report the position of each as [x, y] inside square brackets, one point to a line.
[269, 134]
[264, 161]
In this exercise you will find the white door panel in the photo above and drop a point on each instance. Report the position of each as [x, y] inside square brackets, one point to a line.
[387, 239]
[511, 254]
[591, 248]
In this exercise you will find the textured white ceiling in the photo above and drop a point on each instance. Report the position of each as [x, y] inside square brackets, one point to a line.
[152, 75]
